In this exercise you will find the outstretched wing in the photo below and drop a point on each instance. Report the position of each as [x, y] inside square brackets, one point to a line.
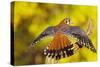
[82, 38]
[47, 32]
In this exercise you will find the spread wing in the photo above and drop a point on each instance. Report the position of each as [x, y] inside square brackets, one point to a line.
[81, 36]
[47, 32]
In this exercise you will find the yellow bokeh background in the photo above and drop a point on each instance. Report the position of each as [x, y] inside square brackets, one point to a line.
[30, 19]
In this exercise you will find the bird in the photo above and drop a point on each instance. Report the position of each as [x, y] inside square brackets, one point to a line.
[62, 45]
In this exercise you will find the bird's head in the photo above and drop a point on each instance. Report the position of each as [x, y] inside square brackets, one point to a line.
[66, 21]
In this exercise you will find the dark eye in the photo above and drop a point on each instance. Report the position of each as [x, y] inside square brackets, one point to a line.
[67, 20]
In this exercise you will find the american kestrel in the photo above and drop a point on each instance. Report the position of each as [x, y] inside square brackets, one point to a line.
[61, 45]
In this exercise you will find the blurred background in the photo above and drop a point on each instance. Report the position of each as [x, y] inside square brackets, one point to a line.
[30, 19]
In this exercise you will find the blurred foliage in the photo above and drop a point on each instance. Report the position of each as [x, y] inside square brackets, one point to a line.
[30, 19]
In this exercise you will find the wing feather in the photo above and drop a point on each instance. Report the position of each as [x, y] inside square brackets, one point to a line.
[47, 32]
[82, 37]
